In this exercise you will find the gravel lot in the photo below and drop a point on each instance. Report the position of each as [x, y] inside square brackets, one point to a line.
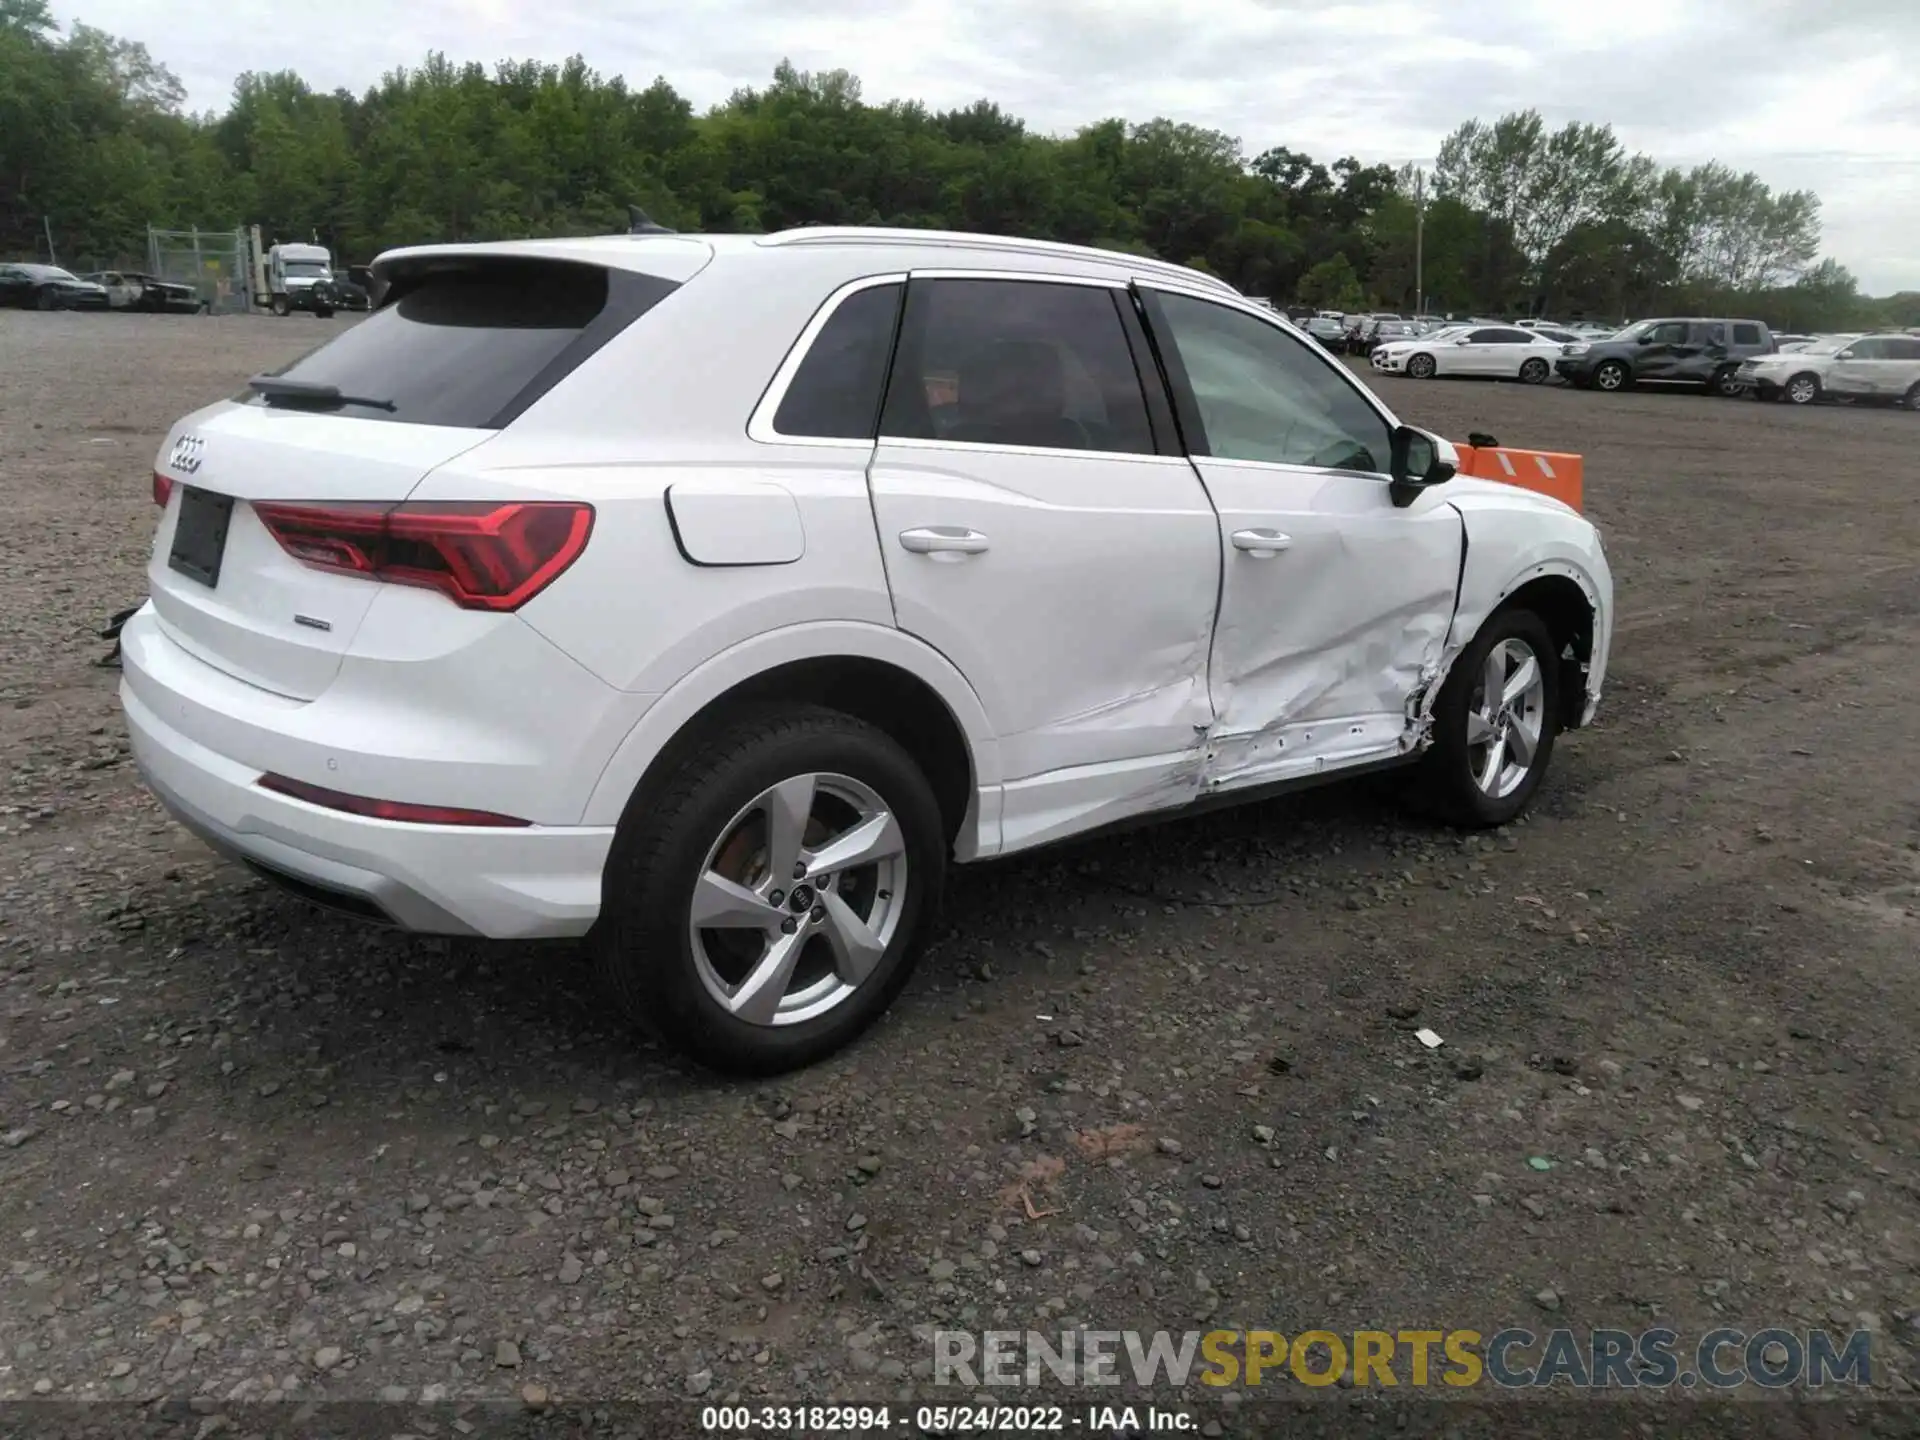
[1162, 1081]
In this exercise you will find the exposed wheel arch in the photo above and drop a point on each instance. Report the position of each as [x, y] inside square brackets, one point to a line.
[1563, 605]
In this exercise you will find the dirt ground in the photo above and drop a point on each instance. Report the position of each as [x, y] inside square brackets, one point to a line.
[1167, 1080]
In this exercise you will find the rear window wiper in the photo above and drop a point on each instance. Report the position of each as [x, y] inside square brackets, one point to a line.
[310, 392]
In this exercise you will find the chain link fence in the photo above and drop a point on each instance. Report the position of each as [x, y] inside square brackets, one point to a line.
[214, 262]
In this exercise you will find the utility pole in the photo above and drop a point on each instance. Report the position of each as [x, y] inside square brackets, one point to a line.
[47, 222]
[1419, 241]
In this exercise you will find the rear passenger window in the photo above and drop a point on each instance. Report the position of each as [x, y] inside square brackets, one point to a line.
[1904, 349]
[835, 394]
[1016, 362]
[1746, 335]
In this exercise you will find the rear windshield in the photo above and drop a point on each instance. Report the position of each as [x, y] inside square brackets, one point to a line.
[474, 343]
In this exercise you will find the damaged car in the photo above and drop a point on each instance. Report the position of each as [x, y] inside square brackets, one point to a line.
[709, 597]
[132, 290]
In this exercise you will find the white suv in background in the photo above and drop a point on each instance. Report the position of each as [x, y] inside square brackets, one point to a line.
[1882, 367]
[711, 594]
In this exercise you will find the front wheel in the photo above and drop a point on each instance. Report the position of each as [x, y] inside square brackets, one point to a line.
[1913, 399]
[1802, 390]
[48, 299]
[1494, 723]
[1534, 372]
[1421, 367]
[1611, 375]
[280, 306]
[766, 904]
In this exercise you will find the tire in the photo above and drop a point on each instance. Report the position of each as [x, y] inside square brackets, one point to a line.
[710, 818]
[1421, 366]
[1802, 389]
[1534, 372]
[1611, 375]
[1456, 764]
[1913, 399]
[1727, 384]
[280, 306]
[48, 299]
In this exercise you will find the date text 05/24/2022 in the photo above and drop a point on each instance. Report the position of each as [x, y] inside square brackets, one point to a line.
[960, 1419]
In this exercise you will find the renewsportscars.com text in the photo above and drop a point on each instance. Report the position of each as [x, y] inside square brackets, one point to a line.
[1507, 1359]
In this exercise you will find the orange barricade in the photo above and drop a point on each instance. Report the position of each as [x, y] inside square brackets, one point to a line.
[1548, 471]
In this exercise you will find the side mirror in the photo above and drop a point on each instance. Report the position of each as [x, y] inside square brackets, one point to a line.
[1844, 355]
[1464, 340]
[1646, 339]
[1418, 460]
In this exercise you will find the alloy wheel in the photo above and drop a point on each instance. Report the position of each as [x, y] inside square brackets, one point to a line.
[1610, 377]
[798, 899]
[1802, 389]
[1505, 718]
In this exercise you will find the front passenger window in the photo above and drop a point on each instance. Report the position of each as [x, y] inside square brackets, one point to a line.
[1262, 395]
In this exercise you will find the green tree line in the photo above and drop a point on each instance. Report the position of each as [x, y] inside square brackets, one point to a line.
[95, 145]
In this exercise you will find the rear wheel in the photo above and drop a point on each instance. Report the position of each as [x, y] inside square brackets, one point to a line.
[1534, 372]
[1611, 375]
[1727, 383]
[280, 306]
[765, 906]
[1802, 389]
[1421, 367]
[1494, 724]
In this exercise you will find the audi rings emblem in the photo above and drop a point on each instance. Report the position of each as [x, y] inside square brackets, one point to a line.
[186, 454]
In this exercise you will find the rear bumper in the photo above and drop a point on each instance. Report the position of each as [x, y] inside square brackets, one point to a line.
[535, 882]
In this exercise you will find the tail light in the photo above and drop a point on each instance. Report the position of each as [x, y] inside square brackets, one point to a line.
[162, 489]
[480, 554]
[384, 809]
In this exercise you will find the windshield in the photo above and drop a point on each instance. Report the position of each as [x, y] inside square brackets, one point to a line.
[1831, 345]
[307, 269]
[46, 272]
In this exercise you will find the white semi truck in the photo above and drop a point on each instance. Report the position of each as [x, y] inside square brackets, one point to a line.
[292, 277]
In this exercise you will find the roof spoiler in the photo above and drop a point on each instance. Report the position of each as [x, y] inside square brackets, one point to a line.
[639, 223]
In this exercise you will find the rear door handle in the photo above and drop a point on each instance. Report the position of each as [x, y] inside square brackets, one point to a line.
[943, 540]
[1261, 544]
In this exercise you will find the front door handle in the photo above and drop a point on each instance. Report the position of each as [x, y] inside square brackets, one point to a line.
[943, 540]
[1261, 544]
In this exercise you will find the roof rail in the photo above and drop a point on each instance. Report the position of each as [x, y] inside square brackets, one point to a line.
[1005, 244]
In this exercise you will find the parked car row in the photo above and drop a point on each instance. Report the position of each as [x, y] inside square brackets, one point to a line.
[49, 287]
[1720, 355]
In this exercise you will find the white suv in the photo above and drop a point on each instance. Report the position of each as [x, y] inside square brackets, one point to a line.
[709, 595]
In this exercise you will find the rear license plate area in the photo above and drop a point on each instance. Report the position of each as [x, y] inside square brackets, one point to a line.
[200, 535]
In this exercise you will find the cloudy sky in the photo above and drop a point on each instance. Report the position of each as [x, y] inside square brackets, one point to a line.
[1813, 96]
